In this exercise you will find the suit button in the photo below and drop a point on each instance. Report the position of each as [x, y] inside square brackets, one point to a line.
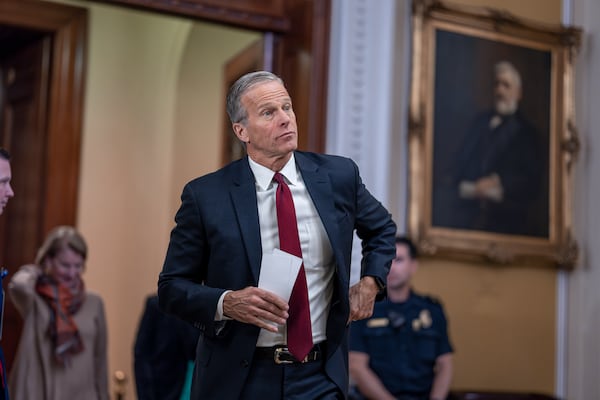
[244, 363]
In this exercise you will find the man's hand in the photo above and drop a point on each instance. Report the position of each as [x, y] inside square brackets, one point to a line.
[362, 298]
[256, 306]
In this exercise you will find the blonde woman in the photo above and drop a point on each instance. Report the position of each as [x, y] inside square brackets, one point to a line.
[62, 350]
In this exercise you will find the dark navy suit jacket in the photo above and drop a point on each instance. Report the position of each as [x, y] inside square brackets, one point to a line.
[216, 245]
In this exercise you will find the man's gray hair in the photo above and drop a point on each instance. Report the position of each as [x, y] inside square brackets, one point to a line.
[506, 66]
[235, 110]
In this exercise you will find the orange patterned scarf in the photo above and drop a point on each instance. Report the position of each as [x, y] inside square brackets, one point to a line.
[63, 305]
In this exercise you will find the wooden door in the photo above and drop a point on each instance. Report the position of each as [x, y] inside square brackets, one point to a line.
[41, 105]
[25, 79]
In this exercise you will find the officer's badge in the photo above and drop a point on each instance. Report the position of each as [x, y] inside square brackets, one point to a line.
[416, 324]
[425, 318]
[424, 321]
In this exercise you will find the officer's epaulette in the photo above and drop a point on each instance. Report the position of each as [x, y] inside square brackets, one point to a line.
[432, 299]
[429, 299]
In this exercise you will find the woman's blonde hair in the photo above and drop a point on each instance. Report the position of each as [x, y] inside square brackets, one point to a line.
[60, 238]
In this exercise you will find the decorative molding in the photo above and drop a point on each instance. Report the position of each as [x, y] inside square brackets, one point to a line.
[362, 95]
[361, 88]
[264, 16]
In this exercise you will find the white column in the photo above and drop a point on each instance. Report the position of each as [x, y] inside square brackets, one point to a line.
[562, 285]
[367, 93]
[583, 297]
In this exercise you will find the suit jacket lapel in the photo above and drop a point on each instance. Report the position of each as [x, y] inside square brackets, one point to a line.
[319, 187]
[243, 195]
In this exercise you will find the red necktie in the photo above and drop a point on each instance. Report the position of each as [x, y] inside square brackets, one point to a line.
[298, 324]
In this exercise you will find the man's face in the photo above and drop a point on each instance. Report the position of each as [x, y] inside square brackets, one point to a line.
[402, 269]
[6, 191]
[269, 130]
[507, 93]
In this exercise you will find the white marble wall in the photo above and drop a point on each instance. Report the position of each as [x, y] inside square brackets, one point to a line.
[583, 295]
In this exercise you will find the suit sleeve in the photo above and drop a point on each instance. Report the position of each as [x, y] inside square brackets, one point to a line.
[180, 286]
[377, 231]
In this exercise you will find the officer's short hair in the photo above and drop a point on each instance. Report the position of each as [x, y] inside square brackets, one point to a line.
[412, 249]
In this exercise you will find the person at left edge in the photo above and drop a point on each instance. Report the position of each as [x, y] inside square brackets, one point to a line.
[226, 224]
[6, 193]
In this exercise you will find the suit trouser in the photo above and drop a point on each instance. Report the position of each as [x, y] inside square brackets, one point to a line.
[307, 381]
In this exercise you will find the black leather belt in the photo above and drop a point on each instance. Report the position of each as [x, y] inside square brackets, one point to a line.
[282, 355]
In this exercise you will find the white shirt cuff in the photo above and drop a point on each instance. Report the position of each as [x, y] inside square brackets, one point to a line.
[219, 313]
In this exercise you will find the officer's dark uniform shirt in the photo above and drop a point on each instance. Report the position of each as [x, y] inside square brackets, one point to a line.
[403, 340]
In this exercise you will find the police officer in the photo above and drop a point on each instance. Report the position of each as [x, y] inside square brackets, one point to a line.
[403, 351]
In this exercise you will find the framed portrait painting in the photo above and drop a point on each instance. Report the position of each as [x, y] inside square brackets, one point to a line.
[492, 136]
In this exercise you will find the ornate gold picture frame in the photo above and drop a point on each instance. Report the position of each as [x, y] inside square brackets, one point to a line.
[492, 136]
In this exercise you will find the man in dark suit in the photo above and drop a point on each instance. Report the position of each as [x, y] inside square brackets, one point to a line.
[226, 229]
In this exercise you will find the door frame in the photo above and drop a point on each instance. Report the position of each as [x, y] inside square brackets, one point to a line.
[68, 26]
[61, 135]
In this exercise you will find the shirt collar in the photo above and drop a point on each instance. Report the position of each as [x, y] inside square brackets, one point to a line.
[264, 176]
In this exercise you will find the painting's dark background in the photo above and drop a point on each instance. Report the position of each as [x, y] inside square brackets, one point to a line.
[464, 79]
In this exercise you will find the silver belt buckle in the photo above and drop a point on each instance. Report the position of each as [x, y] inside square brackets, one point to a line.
[277, 354]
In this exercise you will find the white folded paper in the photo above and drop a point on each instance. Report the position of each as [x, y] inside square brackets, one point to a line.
[278, 272]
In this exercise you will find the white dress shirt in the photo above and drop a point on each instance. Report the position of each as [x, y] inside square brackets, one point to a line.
[317, 254]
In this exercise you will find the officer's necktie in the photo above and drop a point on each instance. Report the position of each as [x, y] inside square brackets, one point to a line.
[299, 329]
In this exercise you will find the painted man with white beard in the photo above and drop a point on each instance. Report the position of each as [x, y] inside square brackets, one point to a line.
[499, 166]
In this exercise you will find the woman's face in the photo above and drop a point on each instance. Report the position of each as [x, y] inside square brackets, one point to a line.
[66, 268]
